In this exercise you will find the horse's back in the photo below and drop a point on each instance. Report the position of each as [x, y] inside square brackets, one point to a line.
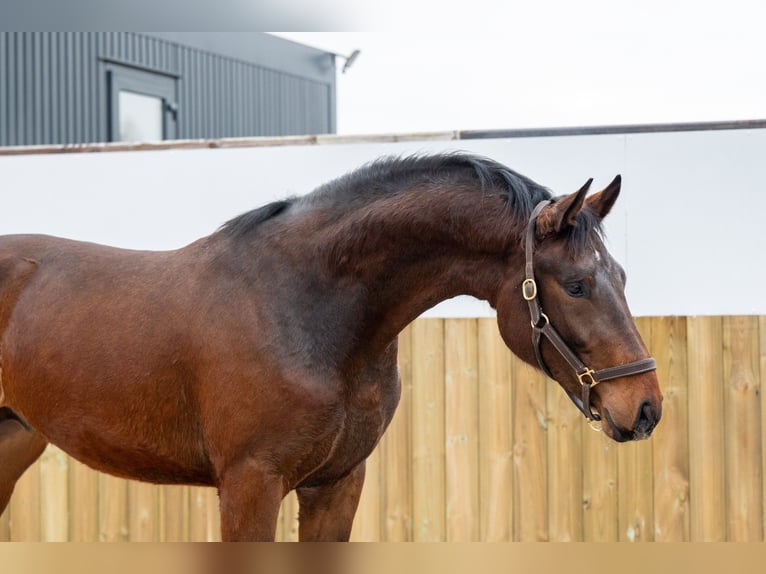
[83, 291]
[15, 272]
[94, 354]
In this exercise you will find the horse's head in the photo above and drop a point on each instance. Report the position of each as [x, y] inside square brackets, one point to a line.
[573, 291]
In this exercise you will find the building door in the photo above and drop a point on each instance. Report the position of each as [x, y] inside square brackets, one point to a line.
[142, 105]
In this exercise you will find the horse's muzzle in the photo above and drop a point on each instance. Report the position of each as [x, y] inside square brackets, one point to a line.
[645, 422]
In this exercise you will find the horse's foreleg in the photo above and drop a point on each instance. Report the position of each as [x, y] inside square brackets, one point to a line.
[327, 511]
[250, 497]
[19, 448]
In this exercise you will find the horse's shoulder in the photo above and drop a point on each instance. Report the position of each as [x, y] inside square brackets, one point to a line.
[15, 272]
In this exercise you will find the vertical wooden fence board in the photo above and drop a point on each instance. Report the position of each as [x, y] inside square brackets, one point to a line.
[741, 365]
[635, 492]
[707, 511]
[530, 453]
[396, 456]
[428, 430]
[635, 477]
[113, 509]
[143, 508]
[366, 527]
[495, 435]
[600, 507]
[462, 429]
[5, 525]
[198, 514]
[174, 508]
[25, 507]
[671, 438]
[565, 476]
[214, 515]
[287, 527]
[762, 380]
[54, 495]
[84, 503]
[279, 536]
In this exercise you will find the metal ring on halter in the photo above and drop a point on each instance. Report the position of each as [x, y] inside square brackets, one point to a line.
[595, 425]
[542, 316]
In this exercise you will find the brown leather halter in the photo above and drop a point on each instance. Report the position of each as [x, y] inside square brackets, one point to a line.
[541, 325]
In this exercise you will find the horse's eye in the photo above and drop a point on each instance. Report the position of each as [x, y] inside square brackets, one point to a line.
[576, 289]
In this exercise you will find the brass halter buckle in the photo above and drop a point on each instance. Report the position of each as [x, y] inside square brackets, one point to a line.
[590, 374]
[529, 295]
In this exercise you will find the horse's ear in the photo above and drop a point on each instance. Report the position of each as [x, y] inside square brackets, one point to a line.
[561, 213]
[601, 203]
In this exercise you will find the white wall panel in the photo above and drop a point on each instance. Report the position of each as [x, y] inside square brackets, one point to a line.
[687, 226]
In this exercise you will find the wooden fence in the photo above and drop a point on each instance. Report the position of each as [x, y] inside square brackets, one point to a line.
[483, 448]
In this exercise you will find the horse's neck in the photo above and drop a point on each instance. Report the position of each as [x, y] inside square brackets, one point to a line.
[412, 255]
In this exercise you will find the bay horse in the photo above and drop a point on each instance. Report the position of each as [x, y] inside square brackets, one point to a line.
[263, 358]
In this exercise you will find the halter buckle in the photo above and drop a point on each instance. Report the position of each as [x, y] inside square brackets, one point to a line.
[529, 295]
[589, 373]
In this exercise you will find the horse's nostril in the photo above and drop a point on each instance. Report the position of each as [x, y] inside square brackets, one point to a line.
[646, 419]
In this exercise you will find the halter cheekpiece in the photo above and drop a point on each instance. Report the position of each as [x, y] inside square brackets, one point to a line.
[541, 326]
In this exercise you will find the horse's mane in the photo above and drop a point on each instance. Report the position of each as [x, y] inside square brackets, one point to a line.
[250, 220]
[392, 174]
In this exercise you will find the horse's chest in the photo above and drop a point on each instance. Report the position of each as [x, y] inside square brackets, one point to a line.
[369, 409]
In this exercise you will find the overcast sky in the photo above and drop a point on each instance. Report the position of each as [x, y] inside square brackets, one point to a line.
[503, 64]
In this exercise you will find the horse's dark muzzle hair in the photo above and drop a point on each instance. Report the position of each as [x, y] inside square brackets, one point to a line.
[646, 420]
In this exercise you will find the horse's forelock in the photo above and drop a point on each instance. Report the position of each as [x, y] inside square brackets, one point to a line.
[586, 233]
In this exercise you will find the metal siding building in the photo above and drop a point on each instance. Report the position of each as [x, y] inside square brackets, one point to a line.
[61, 87]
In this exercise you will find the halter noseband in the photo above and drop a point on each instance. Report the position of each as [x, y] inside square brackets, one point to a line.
[541, 325]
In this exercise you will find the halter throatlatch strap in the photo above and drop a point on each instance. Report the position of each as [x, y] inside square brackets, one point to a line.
[541, 326]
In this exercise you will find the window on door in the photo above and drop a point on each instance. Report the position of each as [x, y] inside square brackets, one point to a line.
[142, 105]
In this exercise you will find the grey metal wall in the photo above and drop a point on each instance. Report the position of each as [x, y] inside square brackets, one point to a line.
[53, 87]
